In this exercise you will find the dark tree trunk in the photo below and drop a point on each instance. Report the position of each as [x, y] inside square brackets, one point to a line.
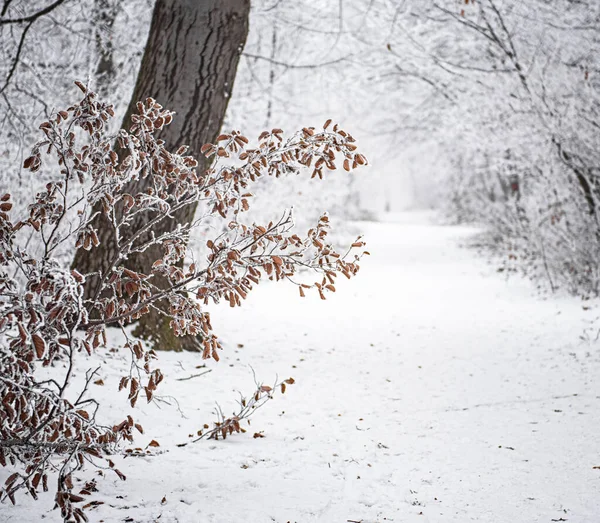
[189, 67]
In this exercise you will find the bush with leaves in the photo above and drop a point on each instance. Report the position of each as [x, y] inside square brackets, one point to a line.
[49, 425]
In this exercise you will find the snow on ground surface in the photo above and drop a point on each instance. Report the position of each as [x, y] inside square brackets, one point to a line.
[429, 389]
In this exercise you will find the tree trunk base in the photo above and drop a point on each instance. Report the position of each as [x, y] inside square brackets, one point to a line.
[154, 328]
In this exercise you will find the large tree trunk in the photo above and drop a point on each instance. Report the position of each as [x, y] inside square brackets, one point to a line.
[189, 67]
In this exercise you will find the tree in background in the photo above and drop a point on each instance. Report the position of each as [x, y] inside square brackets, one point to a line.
[532, 136]
[507, 95]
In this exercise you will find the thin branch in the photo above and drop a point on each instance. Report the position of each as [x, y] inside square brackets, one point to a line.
[195, 375]
[295, 66]
[17, 57]
[30, 18]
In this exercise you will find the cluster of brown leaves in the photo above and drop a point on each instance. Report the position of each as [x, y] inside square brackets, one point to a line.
[38, 326]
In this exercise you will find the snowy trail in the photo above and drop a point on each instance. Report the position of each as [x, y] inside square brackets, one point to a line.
[429, 389]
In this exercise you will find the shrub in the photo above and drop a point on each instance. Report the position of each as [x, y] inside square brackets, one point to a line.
[50, 424]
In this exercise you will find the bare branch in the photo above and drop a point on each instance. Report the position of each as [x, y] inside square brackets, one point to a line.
[30, 18]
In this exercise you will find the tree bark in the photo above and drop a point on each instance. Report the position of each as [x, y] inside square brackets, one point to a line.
[189, 67]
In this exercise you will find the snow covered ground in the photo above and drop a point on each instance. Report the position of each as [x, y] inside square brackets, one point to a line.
[429, 389]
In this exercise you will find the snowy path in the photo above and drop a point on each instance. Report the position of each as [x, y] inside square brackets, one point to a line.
[429, 389]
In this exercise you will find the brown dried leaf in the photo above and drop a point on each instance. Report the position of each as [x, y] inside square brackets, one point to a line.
[39, 344]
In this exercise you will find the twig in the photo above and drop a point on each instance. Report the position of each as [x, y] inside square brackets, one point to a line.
[194, 375]
[33, 17]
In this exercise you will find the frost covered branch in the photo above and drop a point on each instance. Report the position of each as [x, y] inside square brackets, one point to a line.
[49, 425]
